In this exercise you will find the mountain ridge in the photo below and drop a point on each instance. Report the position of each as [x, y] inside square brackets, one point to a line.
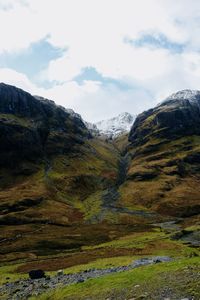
[164, 145]
[81, 190]
[116, 126]
[33, 127]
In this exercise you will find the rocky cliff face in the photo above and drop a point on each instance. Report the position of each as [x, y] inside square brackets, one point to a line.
[177, 116]
[33, 127]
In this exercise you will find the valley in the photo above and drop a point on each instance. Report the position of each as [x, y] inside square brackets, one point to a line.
[77, 201]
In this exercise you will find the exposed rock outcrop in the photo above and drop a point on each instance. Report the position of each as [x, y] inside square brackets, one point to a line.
[33, 127]
[178, 115]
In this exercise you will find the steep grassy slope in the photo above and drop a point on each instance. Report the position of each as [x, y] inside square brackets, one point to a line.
[165, 159]
[52, 176]
[68, 193]
[57, 181]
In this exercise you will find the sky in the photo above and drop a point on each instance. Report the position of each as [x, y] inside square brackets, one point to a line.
[101, 57]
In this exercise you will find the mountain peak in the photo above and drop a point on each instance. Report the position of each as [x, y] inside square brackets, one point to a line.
[116, 126]
[34, 128]
[178, 115]
[186, 94]
[125, 115]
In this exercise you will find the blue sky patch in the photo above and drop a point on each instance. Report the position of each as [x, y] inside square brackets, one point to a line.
[32, 60]
[156, 41]
[90, 73]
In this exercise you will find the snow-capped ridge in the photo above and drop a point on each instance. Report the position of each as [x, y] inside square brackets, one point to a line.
[110, 128]
[190, 95]
[116, 126]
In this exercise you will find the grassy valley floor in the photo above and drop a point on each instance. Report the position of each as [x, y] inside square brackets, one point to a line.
[177, 279]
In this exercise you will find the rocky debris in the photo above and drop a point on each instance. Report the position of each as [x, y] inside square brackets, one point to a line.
[36, 274]
[188, 236]
[154, 260]
[23, 289]
[169, 226]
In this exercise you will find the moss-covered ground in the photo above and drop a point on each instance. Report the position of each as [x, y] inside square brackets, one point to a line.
[178, 279]
[155, 280]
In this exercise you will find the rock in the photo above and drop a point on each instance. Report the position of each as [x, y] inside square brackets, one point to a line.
[152, 260]
[36, 274]
[143, 296]
[60, 273]
[85, 271]
[80, 280]
[159, 259]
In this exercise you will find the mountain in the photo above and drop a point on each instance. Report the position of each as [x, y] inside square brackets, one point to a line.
[35, 128]
[165, 150]
[110, 128]
[176, 116]
[116, 126]
[92, 128]
[70, 198]
[53, 175]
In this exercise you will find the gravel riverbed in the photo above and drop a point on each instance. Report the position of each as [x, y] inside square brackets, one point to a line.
[23, 289]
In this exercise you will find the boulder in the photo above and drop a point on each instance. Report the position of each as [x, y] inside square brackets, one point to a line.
[60, 273]
[36, 274]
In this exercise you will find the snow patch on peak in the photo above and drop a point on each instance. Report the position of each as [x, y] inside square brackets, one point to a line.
[190, 95]
[116, 126]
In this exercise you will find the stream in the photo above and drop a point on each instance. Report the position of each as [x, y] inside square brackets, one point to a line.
[22, 289]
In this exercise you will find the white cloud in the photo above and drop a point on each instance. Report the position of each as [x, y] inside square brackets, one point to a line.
[20, 80]
[92, 100]
[63, 69]
[93, 32]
